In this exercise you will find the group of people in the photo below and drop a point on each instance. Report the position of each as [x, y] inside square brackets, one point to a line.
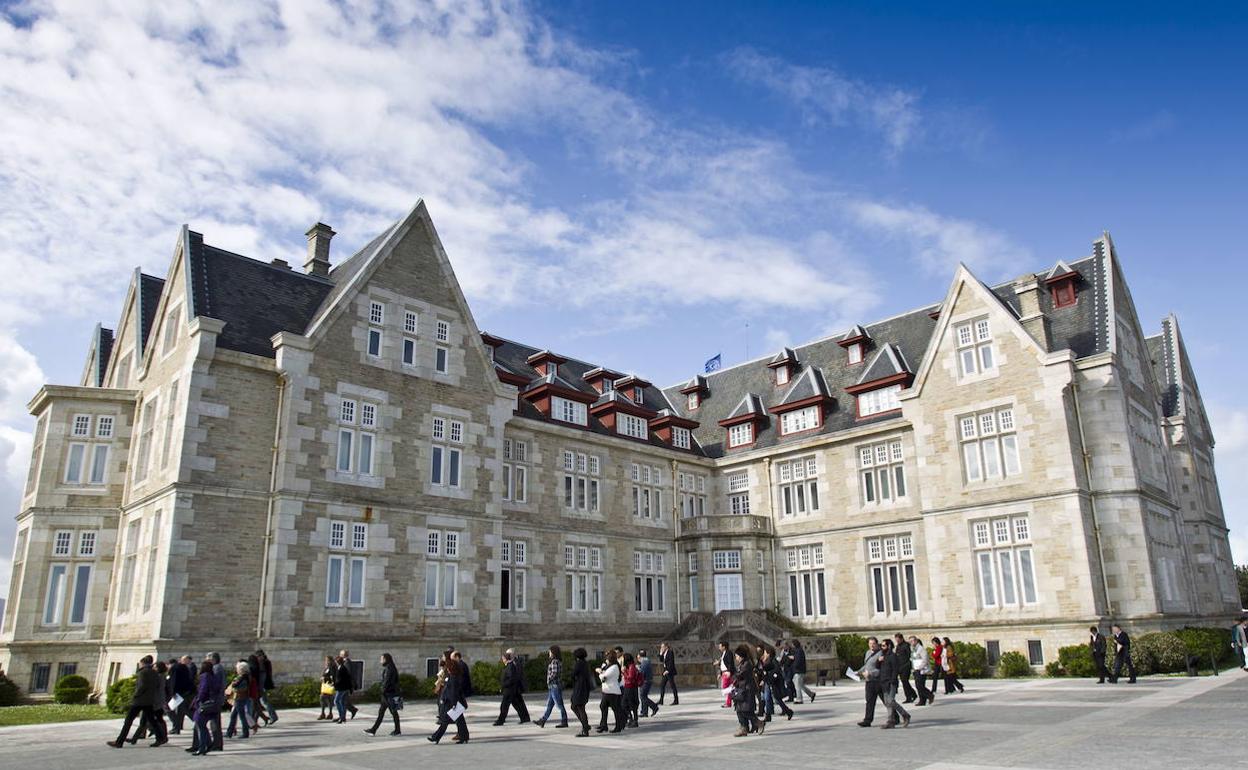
[1122, 655]
[179, 688]
[889, 665]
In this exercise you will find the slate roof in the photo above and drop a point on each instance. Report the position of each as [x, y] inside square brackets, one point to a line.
[888, 361]
[103, 350]
[150, 288]
[808, 384]
[1080, 328]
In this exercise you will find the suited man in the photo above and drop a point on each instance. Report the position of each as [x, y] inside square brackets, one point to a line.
[904, 666]
[512, 687]
[1098, 654]
[667, 659]
[148, 698]
[1123, 655]
[182, 677]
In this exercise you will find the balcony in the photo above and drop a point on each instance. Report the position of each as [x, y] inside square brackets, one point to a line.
[699, 526]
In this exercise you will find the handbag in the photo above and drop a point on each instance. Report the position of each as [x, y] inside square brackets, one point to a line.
[396, 703]
[327, 688]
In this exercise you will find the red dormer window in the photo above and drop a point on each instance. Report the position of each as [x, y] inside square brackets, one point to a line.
[693, 401]
[782, 375]
[1064, 294]
[853, 353]
[1063, 285]
[637, 395]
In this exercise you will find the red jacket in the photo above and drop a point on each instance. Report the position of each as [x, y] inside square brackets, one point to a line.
[936, 650]
[633, 677]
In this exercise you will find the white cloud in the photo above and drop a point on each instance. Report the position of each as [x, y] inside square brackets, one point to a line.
[1230, 432]
[940, 242]
[774, 339]
[824, 95]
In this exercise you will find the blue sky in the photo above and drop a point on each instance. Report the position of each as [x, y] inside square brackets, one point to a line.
[631, 183]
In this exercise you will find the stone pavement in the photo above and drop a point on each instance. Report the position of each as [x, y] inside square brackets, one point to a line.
[1037, 723]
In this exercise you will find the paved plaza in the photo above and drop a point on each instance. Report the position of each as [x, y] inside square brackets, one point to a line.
[1039, 723]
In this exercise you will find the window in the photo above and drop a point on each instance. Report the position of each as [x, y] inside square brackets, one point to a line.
[54, 602]
[570, 411]
[513, 575]
[104, 426]
[989, 445]
[374, 342]
[680, 437]
[515, 470]
[808, 594]
[443, 331]
[580, 481]
[738, 484]
[445, 460]
[883, 472]
[376, 313]
[649, 582]
[129, 561]
[582, 578]
[153, 549]
[879, 401]
[121, 378]
[82, 426]
[1035, 652]
[692, 494]
[148, 423]
[86, 545]
[1003, 560]
[741, 435]
[40, 673]
[1064, 293]
[356, 447]
[892, 575]
[170, 338]
[782, 375]
[800, 420]
[441, 569]
[74, 464]
[693, 401]
[726, 561]
[853, 353]
[409, 351]
[65, 669]
[409, 322]
[61, 543]
[170, 415]
[798, 486]
[630, 425]
[975, 351]
[994, 652]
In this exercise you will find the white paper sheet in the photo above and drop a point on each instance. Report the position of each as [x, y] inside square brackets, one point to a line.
[852, 674]
[173, 704]
[455, 712]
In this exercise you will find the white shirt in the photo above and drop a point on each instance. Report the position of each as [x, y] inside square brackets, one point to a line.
[610, 680]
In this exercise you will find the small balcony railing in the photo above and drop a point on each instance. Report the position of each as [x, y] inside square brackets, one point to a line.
[723, 525]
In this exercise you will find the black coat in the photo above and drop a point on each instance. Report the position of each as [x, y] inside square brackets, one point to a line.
[1124, 642]
[513, 679]
[582, 683]
[745, 690]
[669, 663]
[389, 681]
[1098, 645]
[465, 682]
[725, 660]
[902, 654]
[799, 660]
[149, 689]
[888, 668]
[342, 678]
[452, 691]
[183, 680]
[773, 675]
[268, 673]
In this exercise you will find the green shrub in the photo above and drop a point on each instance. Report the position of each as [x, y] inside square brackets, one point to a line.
[1158, 653]
[1204, 641]
[971, 660]
[409, 686]
[10, 693]
[486, 678]
[120, 693]
[71, 689]
[302, 694]
[535, 673]
[424, 688]
[1053, 668]
[1012, 664]
[851, 649]
[1076, 660]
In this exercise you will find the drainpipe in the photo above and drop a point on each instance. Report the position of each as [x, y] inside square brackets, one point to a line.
[268, 523]
[1087, 470]
[676, 541]
[775, 584]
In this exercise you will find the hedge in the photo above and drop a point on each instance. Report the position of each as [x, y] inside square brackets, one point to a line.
[1158, 653]
[1203, 641]
[120, 693]
[487, 678]
[1076, 660]
[409, 687]
[71, 689]
[305, 693]
[10, 693]
[971, 660]
[1012, 664]
[851, 649]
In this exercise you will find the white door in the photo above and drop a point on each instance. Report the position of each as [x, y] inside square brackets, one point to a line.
[728, 593]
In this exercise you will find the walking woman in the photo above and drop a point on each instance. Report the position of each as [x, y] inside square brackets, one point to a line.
[554, 687]
[726, 669]
[632, 685]
[327, 688]
[922, 667]
[938, 664]
[773, 686]
[951, 668]
[390, 695]
[451, 702]
[744, 692]
[581, 685]
[205, 708]
[342, 688]
[609, 675]
[241, 688]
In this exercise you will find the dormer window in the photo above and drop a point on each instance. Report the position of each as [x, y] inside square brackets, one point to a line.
[853, 353]
[741, 435]
[1064, 294]
[637, 395]
[1061, 281]
[608, 384]
[552, 368]
[693, 401]
[782, 375]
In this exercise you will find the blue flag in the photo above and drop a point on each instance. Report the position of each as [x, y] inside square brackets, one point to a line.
[714, 363]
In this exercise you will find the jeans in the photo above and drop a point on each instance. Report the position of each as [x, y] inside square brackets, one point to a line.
[239, 713]
[387, 704]
[647, 706]
[872, 690]
[203, 736]
[799, 687]
[554, 696]
[340, 703]
[888, 694]
[268, 707]
[770, 701]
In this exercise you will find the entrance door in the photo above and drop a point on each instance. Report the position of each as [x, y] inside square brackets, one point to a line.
[728, 592]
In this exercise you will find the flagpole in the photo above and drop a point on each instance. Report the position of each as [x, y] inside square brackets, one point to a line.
[747, 340]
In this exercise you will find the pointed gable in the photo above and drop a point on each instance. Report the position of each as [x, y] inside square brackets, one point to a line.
[808, 388]
[749, 408]
[888, 367]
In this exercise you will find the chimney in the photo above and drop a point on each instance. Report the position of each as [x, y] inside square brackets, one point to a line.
[1030, 315]
[318, 250]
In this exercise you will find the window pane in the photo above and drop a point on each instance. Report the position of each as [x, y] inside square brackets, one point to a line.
[1027, 575]
[56, 592]
[356, 593]
[344, 450]
[333, 585]
[877, 582]
[793, 612]
[912, 596]
[894, 587]
[806, 592]
[986, 584]
[567, 492]
[885, 486]
[968, 361]
[453, 471]
[366, 454]
[814, 496]
[82, 581]
[73, 469]
[409, 352]
[992, 459]
[435, 465]
[970, 455]
[1009, 447]
[899, 475]
[449, 584]
[431, 583]
[99, 463]
[823, 596]
[868, 486]
[985, 356]
[1007, 577]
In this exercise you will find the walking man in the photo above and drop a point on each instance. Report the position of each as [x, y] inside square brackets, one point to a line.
[799, 673]
[647, 681]
[904, 665]
[512, 687]
[667, 659]
[149, 696]
[1098, 654]
[870, 674]
[1239, 640]
[1123, 655]
[355, 684]
[889, 671]
[182, 676]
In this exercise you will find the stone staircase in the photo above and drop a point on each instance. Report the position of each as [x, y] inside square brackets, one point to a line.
[695, 640]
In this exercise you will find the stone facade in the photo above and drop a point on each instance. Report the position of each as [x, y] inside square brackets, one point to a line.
[304, 462]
